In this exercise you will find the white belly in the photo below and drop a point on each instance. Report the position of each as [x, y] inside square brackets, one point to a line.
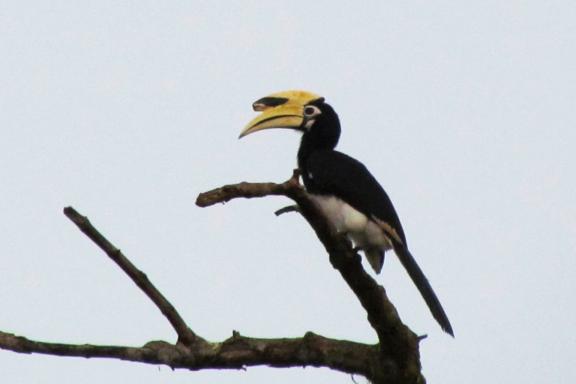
[363, 232]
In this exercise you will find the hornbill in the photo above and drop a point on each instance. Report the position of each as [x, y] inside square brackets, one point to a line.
[341, 186]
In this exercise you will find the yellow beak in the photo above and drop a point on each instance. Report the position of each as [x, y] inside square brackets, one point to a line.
[280, 110]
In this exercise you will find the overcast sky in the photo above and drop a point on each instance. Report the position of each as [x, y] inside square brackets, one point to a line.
[465, 111]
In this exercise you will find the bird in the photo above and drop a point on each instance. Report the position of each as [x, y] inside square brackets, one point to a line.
[344, 190]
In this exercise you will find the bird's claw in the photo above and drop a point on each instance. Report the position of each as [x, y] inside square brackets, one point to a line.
[295, 178]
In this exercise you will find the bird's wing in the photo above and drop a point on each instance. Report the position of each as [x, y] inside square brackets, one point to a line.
[334, 173]
[338, 174]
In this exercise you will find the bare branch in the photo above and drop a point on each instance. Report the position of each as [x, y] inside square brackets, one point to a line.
[236, 352]
[185, 334]
[395, 359]
[249, 190]
[397, 342]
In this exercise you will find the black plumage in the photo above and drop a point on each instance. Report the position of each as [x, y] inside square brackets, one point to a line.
[344, 190]
[328, 172]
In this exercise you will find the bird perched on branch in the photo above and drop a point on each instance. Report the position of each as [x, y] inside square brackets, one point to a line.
[344, 190]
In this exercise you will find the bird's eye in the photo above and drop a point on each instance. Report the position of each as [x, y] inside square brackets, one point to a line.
[311, 110]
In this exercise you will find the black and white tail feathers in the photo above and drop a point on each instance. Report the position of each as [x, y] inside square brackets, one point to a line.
[423, 286]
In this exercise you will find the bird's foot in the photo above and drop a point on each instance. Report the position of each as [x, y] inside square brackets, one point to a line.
[295, 179]
[344, 235]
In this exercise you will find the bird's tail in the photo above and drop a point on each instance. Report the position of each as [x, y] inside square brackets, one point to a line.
[423, 286]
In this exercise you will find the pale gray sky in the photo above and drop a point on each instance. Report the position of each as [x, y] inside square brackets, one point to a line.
[465, 111]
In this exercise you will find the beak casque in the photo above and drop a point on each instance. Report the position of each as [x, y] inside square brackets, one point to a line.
[280, 110]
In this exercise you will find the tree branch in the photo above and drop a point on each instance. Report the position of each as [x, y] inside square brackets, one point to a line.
[237, 352]
[395, 359]
[398, 344]
[185, 334]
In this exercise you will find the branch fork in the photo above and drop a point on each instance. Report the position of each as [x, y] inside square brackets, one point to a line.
[394, 359]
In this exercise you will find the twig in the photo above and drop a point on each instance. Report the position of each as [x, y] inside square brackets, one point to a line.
[185, 334]
[290, 208]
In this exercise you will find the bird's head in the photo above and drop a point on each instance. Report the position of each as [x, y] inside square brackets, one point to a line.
[299, 110]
